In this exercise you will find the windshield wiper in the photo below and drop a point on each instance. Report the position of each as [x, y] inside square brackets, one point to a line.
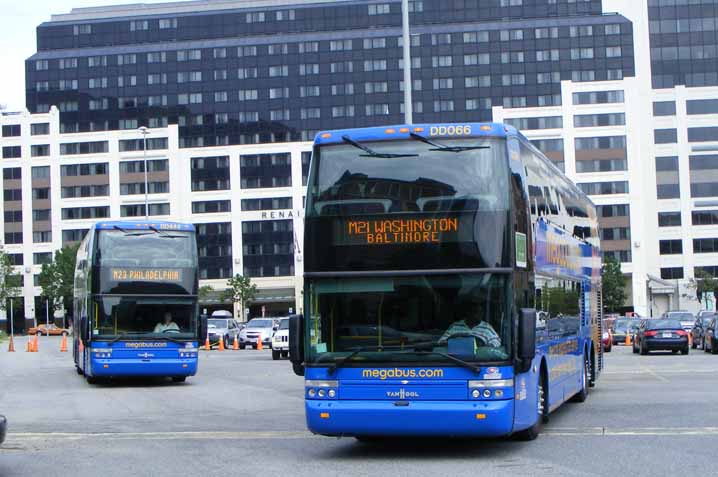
[165, 234]
[373, 153]
[117, 227]
[448, 356]
[338, 362]
[443, 147]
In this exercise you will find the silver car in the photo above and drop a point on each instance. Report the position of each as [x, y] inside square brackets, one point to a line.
[256, 328]
[224, 329]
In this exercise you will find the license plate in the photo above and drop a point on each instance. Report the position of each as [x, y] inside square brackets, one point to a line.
[668, 335]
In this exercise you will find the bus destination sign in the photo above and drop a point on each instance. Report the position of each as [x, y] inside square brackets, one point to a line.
[145, 274]
[400, 231]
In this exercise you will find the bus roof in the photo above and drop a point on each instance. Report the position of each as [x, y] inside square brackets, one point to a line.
[431, 130]
[143, 225]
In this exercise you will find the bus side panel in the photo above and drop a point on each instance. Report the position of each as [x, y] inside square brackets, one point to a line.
[526, 396]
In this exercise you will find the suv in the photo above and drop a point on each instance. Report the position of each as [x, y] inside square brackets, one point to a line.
[280, 340]
[685, 317]
[257, 327]
[224, 329]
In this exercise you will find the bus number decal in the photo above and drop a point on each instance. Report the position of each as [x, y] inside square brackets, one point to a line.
[146, 275]
[450, 130]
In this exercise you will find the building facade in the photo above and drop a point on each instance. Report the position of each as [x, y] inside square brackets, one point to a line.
[234, 91]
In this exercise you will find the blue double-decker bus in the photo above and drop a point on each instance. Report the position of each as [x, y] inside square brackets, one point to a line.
[451, 285]
[135, 301]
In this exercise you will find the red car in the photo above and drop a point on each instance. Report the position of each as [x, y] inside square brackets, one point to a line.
[607, 339]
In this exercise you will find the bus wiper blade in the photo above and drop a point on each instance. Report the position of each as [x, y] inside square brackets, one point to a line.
[465, 364]
[443, 147]
[117, 227]
[165, 234]
[122, 336]
[338, 362]
[372, 153]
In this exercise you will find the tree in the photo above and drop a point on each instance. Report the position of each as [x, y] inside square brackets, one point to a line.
[204, 292]
[57, 278]
[613, 285]
[9, 280]
[704, 282]
[240, 291]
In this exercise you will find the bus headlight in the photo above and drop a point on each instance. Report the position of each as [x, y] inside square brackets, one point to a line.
[475, 393]
[488, 388]
[102, 352]
[321, 389]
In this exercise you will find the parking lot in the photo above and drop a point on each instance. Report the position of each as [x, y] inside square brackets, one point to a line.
[243, 413]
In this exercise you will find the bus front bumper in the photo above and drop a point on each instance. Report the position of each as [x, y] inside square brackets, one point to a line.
[135, 367]
[410, 418]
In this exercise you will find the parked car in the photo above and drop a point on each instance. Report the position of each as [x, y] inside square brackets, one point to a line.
[661, 334]
[52, 330]
[255, 328]
[3, 428]
[685, 317]
[710, 337]
[224, 329]
[623, 327]
[699, 326]
[607, 339]
[703, 313]
[280, 340]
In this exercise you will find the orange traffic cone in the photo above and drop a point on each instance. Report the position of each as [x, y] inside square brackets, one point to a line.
[628, 339]
[11, 346]
[235, 344]
[63, 344]
[690, 339]
[36, 344]
[221, 344]
[259, 342]
[28, 346]
[207, 346]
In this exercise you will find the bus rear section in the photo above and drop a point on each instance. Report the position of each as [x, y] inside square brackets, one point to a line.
[423, 309]
[136, 301]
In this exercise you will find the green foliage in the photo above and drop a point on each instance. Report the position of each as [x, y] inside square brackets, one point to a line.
[57, 278]
[10, 282]
[204, 292]
[241, 290]
[613, 285]
[705, 282]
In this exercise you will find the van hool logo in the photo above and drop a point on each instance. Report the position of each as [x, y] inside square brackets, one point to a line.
[402, 394]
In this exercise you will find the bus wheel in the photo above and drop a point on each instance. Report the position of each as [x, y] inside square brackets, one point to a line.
[542, 408]
[275, 354]
[582, 394]
[79, 371]
[179, 379]
[92, 380]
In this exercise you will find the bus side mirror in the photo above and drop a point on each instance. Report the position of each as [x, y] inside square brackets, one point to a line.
[84, 329]
[527, 339]
[202, 329]
[296, 343]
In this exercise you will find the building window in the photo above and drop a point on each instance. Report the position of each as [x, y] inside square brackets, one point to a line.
[189, 55]
[664, 108]
[670, 247]
[11, 130]
[704, 217]
[604, 188]
[669, 219]
[268, 248]
[41, 258]
[138, 167]
[265, 170]
[42, 237]
[665, 136]
[703, 170]
[214, 244]
[39, 150]
[379, 9]
[598, 97]
[701, 106]
[211, 206]
[168, 23]
[76, 213]
[702, 134]
[672, 273]
[274, 203]
[599, 120]
[11, 152]
[138, 210]
[39, 129]
[210, 173]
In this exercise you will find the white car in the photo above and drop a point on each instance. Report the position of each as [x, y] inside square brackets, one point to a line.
[280, 340]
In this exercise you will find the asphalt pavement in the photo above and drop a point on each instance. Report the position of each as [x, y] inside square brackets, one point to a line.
[243, 415]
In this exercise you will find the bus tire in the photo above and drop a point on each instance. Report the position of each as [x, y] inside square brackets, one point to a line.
[533, 432]
[179, 379]
[78, 370]
[275, 354]
[92, 380]
[582, 394]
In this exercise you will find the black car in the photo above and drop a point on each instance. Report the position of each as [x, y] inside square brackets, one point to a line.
[661, 334]
[710, 337]
[3, 428]
[698, 328]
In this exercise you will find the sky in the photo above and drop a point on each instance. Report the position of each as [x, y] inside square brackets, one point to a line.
[19, 20]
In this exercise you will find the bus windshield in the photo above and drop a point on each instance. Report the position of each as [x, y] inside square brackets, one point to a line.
[428, 208]
[410, 319]
[350, 182]
[146, 248]
[117, 316]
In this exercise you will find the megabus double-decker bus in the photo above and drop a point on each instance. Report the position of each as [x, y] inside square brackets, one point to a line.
[135, 301]
[451, 284]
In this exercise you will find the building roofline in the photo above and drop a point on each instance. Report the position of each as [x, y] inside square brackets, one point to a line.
[176, 7]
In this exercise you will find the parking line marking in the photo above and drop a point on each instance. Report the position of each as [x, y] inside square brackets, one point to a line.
[654, 374]
[647, 431]
[214, 435]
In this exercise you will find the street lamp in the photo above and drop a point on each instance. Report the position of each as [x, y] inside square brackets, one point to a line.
[145, 131]
[408, 105]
